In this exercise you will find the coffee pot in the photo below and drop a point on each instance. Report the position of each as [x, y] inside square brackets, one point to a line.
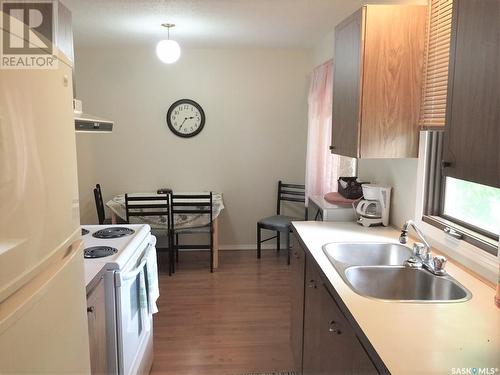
[373, 209]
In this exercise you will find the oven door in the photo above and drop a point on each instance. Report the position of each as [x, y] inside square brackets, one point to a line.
[134, 318]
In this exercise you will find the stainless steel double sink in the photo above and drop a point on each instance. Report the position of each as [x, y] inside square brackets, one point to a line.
[377, 270]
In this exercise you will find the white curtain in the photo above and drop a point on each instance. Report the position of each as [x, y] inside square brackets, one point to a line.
[322, 168]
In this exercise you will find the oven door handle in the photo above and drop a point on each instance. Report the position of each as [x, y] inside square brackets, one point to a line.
[132, 274]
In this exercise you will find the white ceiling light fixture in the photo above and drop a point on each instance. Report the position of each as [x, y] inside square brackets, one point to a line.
[168, 51]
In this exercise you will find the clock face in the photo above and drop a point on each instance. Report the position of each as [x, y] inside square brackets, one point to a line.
[185, 118]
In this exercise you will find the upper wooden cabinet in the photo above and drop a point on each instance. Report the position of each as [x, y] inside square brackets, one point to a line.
[472, 130]
[377, 87]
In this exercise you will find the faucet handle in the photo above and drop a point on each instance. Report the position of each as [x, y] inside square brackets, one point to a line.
[439, 262]
[419, 249]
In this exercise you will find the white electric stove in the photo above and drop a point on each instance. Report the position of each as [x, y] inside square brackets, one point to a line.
[123, 255]
[126, 246]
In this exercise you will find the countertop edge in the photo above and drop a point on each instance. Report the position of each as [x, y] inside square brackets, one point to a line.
[95, 280]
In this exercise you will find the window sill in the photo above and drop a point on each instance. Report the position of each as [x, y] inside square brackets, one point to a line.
[472, 257]
[476, 239]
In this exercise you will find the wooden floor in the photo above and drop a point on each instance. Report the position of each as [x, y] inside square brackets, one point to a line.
[233, 321]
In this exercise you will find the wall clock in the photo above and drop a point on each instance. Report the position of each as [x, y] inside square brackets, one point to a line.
[185, 118]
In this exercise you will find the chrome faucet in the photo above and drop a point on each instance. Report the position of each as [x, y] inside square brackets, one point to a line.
[422, 256]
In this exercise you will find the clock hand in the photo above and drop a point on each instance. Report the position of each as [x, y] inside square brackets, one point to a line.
[183, 123]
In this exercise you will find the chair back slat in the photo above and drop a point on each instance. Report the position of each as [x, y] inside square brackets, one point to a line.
[138, 198]
[136, 205]
[291, 193]
[292, 199]
[188, 212]
[296, 186]
[192, 204]
[148, 213]
[144, 206]
[191, 196]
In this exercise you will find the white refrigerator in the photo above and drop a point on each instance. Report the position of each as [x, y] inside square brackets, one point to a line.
[43, 319]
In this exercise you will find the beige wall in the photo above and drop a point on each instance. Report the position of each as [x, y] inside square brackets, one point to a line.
[256, 107]
[401, 174]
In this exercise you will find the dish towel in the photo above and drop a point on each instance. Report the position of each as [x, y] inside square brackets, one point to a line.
[143, 301]
[148, 287]
[152, 280]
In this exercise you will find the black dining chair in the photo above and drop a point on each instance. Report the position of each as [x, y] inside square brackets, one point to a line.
[153, 205]
[281, 223]
[192, 205]
[99, 205]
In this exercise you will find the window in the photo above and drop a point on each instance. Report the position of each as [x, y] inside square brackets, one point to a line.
[466, 210]
[475, 205]
[469, 210]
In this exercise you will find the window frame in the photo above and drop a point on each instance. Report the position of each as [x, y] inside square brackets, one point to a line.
[467, 232]
[470, 236]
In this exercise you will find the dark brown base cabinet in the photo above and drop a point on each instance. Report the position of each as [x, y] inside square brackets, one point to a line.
[297, 264]
[323, 341]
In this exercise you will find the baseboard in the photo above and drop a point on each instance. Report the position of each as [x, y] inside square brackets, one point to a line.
[248, 247]
[241, 247]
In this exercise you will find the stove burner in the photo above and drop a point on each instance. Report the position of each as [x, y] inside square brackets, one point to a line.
[99, 251]
[113, 232]
[84, 231]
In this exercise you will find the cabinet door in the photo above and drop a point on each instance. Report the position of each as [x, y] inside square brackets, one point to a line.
[312, 315]
[330, 343]
[472, 134]
[392, 80]
[340, 352]
[297, 315]
[96, 316]
[347, 85]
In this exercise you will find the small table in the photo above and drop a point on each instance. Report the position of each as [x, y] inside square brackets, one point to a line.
[117, 207]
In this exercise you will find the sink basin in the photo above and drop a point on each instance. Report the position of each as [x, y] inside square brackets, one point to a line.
[404, 284]
[367, 254]
[376, 270]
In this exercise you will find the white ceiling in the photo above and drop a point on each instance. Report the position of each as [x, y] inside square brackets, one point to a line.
[209, 23]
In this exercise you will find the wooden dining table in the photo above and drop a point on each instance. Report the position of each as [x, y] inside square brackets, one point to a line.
[118, 210]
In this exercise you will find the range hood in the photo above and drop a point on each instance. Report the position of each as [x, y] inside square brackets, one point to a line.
[87, 123]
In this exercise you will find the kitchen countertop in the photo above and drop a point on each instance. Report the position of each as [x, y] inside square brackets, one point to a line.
[414, 337]
[92, 273]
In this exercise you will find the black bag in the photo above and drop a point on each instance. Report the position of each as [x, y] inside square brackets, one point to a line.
[164, 191]
[350, 188]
